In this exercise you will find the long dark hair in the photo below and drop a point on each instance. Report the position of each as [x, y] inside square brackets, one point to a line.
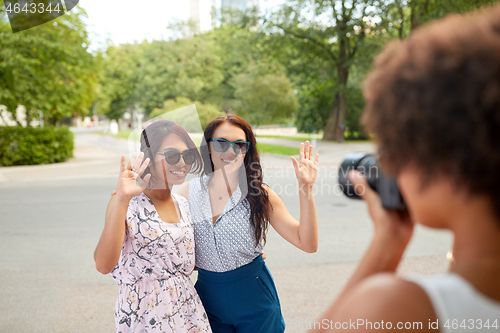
[257, 196]
[152, 137]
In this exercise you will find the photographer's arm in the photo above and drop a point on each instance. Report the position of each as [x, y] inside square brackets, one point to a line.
[303, 234]
[370, 295]
[393, 231]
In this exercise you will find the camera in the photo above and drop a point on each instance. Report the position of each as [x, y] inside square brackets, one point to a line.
[386, 187]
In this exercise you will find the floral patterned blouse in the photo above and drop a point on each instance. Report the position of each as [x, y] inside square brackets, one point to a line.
[157, 258]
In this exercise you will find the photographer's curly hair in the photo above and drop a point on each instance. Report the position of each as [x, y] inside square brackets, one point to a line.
[257, 196]
[433, 101]
[152, 138]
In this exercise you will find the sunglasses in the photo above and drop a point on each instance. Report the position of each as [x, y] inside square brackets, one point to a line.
[174, 156]
[239, 147]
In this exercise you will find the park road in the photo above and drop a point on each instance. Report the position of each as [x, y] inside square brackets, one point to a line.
[52, 217]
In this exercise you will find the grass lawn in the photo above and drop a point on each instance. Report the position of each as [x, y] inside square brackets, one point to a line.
[122, 134]
[305, 138]
[357, 141]
[294, 138]
[265, 148]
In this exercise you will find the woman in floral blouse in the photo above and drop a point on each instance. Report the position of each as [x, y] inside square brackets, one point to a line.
[147, 242]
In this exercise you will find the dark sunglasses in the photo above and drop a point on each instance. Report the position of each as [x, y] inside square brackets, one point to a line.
[239, 147]
[174, 156]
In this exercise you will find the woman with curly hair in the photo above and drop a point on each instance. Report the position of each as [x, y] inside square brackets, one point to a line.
[433, 106]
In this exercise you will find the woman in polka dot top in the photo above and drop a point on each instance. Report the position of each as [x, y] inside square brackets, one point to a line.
[231, 209]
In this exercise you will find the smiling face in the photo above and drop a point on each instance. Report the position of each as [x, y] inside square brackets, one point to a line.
[229, 160]
[175, 173]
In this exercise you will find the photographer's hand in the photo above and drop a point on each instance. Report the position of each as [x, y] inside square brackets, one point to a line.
[392, 228]
[393, 231]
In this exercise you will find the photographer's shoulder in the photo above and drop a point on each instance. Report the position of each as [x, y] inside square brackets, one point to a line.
[385, 299]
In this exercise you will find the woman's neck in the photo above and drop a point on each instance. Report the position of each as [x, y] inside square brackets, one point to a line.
[476, 247]
[159, 194]
[221, 180]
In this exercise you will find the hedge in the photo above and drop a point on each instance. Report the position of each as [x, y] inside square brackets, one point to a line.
[29, 146]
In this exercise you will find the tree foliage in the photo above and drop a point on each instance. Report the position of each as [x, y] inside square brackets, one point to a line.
[401, 17]
[225, 67]
[47, 68]
[305, 61]
[327, 47]
[118, 80]
[206, 112]
[335, 33]
[263, 96]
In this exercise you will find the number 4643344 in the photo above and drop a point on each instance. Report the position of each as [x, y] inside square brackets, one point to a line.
[32, 8]
[473, 324]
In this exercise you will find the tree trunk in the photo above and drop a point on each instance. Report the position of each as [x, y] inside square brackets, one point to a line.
[418, 11]
[329, 133]
[343, 73]
[402, 14]
[341, 115]
[413, 19]
[335, 127]
[28, 118]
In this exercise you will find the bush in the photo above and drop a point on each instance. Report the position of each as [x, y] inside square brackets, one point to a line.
[29, 146]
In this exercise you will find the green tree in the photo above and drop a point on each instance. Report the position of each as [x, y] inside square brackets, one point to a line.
[47, 68]
[186, 67]
[263, 95]
[341, 40]
[404, 16]
[237, 47]
[216, 67]
[206, 113]
[255, 84]
[324, 42]
[118, 79]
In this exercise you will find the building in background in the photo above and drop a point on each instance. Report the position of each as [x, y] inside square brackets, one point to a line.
[240, 5]
[200, 11]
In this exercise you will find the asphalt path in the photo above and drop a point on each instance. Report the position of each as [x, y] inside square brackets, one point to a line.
[51, 218]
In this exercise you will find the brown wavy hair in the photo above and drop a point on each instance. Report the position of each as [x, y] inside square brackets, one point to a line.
[250, 173]
[152, 137]
[433, 101]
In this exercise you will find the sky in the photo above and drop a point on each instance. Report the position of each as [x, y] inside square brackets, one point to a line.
[124, 21]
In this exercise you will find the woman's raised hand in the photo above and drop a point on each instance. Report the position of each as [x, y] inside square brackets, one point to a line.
[128, 186]
[306, 169]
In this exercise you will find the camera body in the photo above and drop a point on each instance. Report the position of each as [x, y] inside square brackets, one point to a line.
[386, 187]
